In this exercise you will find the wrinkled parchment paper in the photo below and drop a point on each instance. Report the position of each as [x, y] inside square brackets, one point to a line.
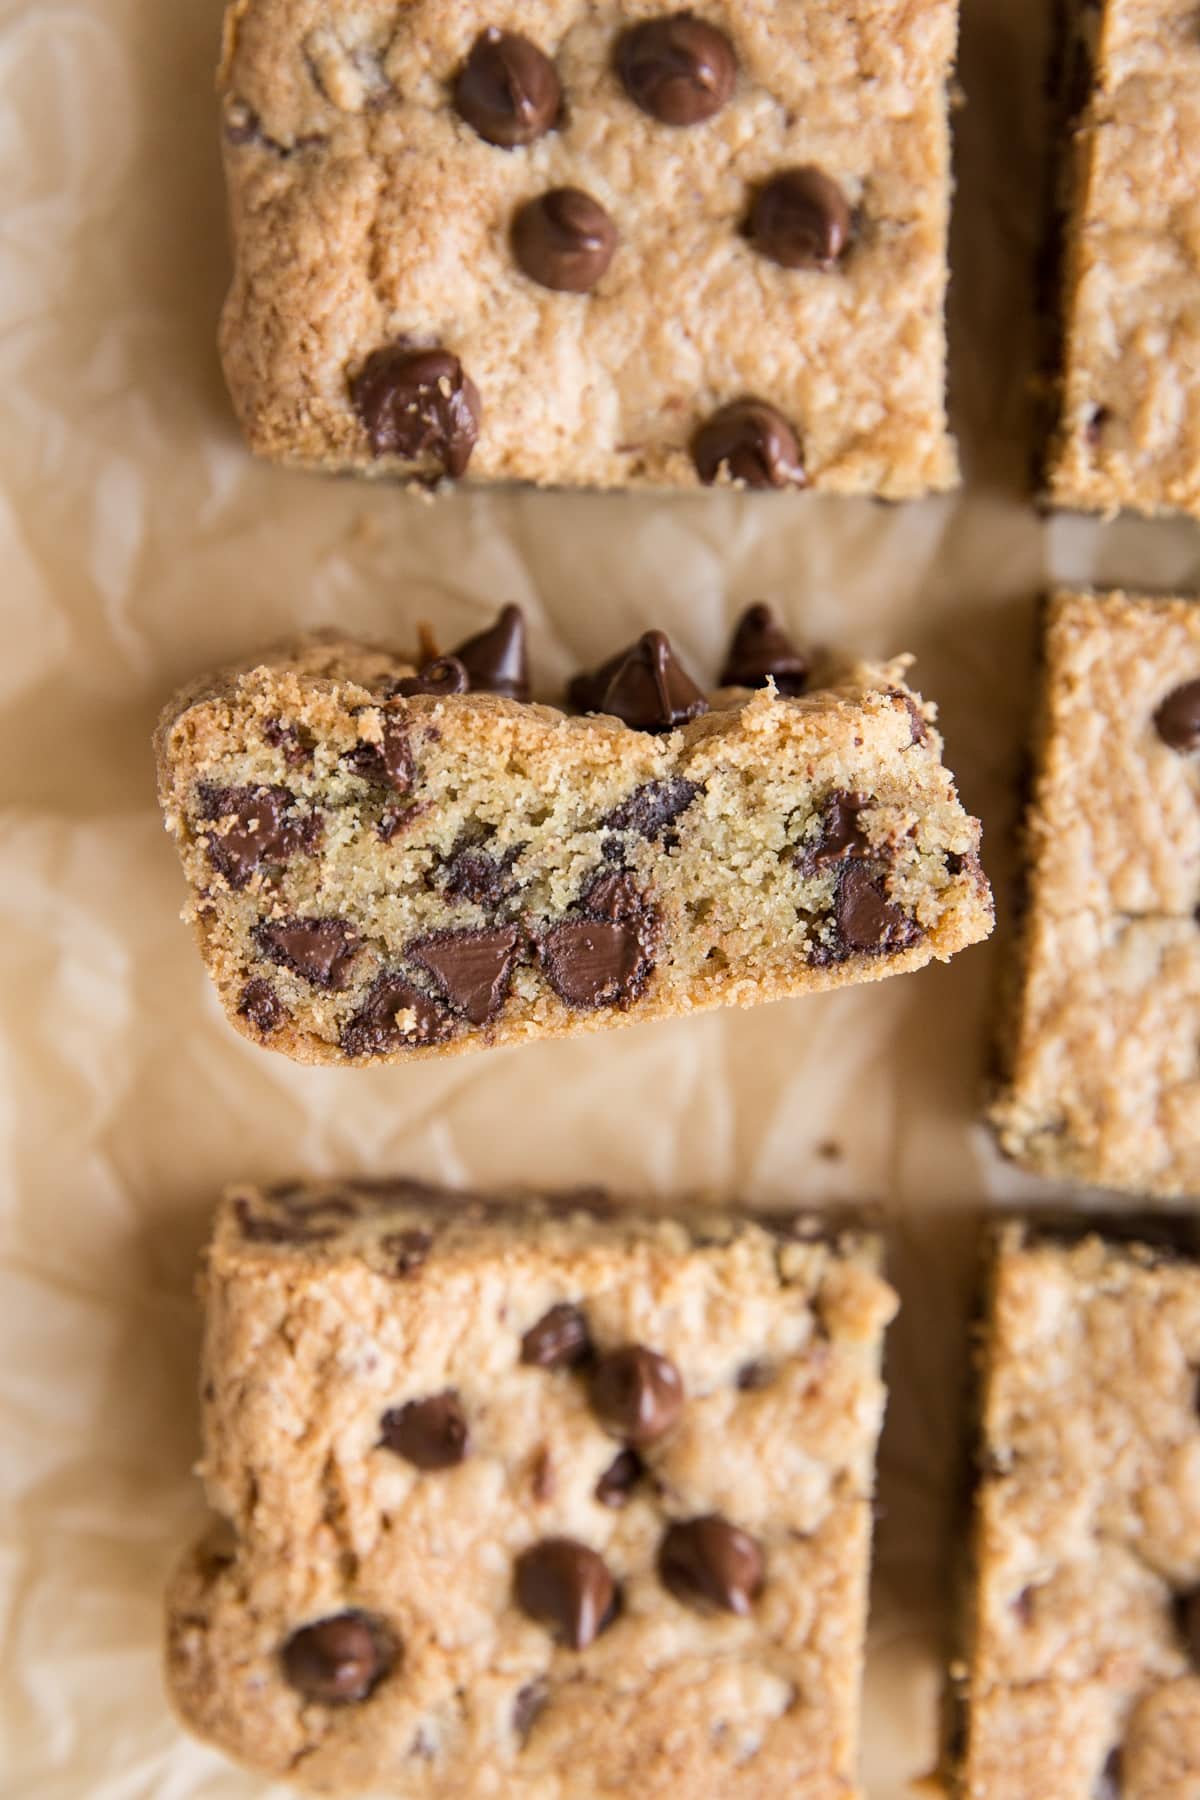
[140, 546]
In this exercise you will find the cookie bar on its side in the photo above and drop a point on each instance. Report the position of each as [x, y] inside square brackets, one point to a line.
[1128, 431]
[1102, 1047]
[541, 1500]
[384, 865]
[592, 242]
[1083, 1663]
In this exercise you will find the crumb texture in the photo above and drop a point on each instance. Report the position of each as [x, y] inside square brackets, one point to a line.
[597, 334]
[378, 875]
[1103, 1079]
[1129, 433]
[1083, 1675]
[540, 1500]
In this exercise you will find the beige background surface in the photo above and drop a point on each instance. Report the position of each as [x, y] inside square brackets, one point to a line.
[139, 545]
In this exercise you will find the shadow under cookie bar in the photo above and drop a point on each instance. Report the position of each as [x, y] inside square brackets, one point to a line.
[1084, 1631]
[1101, 1036]
[1128, 393]
[388, 863]
[532, 1495]
[616, 248]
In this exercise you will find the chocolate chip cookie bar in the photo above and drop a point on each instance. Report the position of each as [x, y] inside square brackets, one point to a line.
[593, 242]
[1129, 425]
[539, 1500]
[1102, 1045]
[389, 861]
[1085, 1646]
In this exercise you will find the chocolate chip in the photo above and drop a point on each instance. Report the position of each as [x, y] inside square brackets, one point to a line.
[753, 1376]
[430, 1433]
[566, 1586]
[559, 1340]
[590, 962]
[262, 1006]
[507, 90]
[1097, 419]
[258, 1230]
[840, 835]
[375, 1028]
[416, 403]
[471, 874]
[541, 1478]
[1177, 720]
[709, 1562]
[321, 950]
[759, 649]
[295, 741]
[620, 1478]
[409, 1249]
[262, 832]
[680, 70]
[613, 895]
[800, 219]
[1023, 1606]
[652, 807]
[919, 724]
[471, 968]
[1187, 1619]
[563, 240]
[341, 1660]
[444, 675]
[1110, 1780]
[495, 659]
[750, 442]
[866, 918]
[529, 1702]
[645, 686]
[390, 761]
[636, 1394]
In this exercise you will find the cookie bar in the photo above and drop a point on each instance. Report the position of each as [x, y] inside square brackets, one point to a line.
[1102, 1049]
[1129, 403]
[592, 242]
[1085, 1650]
[532, 1499]
[389, 862]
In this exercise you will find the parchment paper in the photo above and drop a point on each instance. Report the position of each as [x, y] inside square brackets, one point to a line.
[140, 546]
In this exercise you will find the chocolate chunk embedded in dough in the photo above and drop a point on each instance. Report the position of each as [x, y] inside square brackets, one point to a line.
[636, 1394]
[418, 403]
[430, 1433]
[472, 968]
[761, 649]
[321, 950]
[800, 219]
[560, 1338]
[567, 1587]
[1177, 720]
[339, 1661]
[564, 240]
[680, 70]
[751, 442]
[710, 1563]
[507, 90]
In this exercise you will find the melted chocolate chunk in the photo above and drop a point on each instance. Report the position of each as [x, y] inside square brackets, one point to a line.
[612, 895]
[496, 659]
[800, 219]
[652, 807]
[389, 763]
[616, 1485]
[266, 830]
[472, 968]
[507, 90]
[430, 1433]
[471, 874]
[759, 649]
[417, 403]
[567, 1587]
[341, 1660]
[751, 442]
[559, 1340]
[262, 1006]
[258, 1230]
[841, 836]
[410, 1248]
[710, 1563]
[590, 963]
[529, 1703]
[444, 675]
[866, 919]
[296, 743]
[636, 1394]
[645, 686]
[563, 240]
[321, 950]
[680, 70]
[1177, 720]
[375, 1028]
